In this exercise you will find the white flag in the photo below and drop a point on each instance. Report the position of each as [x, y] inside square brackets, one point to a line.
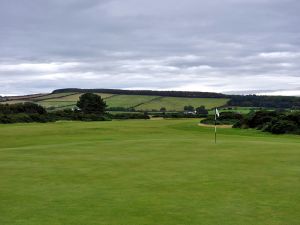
[217, 113]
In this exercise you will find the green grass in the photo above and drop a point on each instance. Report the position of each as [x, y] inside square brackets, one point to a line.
[57, 104]
[146, 172]
[177, 104]
[139, 102]
[241, 110]
[66, 101]
[54, 96]
[13, 102]
[75, 97]
[128, 101]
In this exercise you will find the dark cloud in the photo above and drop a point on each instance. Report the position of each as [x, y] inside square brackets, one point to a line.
[246, 46]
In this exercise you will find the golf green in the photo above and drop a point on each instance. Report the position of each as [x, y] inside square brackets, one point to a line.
[146, 172]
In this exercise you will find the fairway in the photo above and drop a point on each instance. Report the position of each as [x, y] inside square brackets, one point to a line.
[140, 172]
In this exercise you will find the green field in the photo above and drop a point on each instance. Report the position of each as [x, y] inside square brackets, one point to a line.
[128, 101]
[138, 102]
[54, 96]
[68, 100]
[177, 104]
[146, 172]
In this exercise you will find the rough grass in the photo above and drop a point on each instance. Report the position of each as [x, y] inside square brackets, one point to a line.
[177, 104]
[146, 172]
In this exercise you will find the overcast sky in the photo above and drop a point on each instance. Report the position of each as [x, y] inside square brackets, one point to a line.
[229, 46]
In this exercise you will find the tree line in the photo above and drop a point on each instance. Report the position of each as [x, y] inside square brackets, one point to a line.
[188, 94]
[265, 101]
[90, 107]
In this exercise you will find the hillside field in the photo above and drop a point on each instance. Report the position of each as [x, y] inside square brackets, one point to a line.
[146, 172]
[138, 102]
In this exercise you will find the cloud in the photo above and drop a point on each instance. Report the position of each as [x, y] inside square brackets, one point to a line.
[228, 45]
[279, 55]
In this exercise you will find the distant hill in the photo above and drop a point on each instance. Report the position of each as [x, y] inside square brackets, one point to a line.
[235, 100]
[151, 100]
[186, 94]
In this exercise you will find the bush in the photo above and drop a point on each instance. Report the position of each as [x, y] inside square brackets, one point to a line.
[123, 116]
[276, 122]
[180, 115]
[283, 127]
[201, 110]
[27, 107]
[226, 118]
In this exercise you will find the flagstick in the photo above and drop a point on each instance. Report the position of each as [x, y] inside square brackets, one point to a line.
[215, 125]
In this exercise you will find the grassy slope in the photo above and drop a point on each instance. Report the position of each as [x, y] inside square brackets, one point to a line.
[128, 100]
[139, 102]
[53, 96]
[146, 172]
[177, 104]
[67, 101]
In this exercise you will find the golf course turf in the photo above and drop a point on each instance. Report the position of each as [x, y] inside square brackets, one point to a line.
[144, 172]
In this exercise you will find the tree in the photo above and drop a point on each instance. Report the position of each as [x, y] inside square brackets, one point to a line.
[189, 108]
[201, 110]
[163, 109]
[91, 103]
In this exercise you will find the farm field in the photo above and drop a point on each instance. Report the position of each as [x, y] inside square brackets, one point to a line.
[53, 96]
[146, 172]
[138, 102]
[128, 101]
[67, 100]
[177, 104]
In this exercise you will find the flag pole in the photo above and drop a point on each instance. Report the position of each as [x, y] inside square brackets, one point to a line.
[215, 125]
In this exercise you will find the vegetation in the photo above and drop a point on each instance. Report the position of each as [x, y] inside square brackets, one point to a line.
[173, 101]
[226, 118]
[189, 108]
[130, 116]
[149, 172]
[23, 112]
[235, 100]
[187, 94]
[177, 104]
[128, 101]
[264, 101]
[91, 103]
[92, 109]
[276, 122]
[201, 110]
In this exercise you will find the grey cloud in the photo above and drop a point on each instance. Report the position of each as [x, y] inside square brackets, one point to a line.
[218, 45]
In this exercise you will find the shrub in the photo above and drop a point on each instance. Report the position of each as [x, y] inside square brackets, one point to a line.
[91, 104]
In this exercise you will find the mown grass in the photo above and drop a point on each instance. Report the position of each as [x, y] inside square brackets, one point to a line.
[146, 172]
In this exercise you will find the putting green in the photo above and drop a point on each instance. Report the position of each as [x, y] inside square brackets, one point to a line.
[146, 172]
